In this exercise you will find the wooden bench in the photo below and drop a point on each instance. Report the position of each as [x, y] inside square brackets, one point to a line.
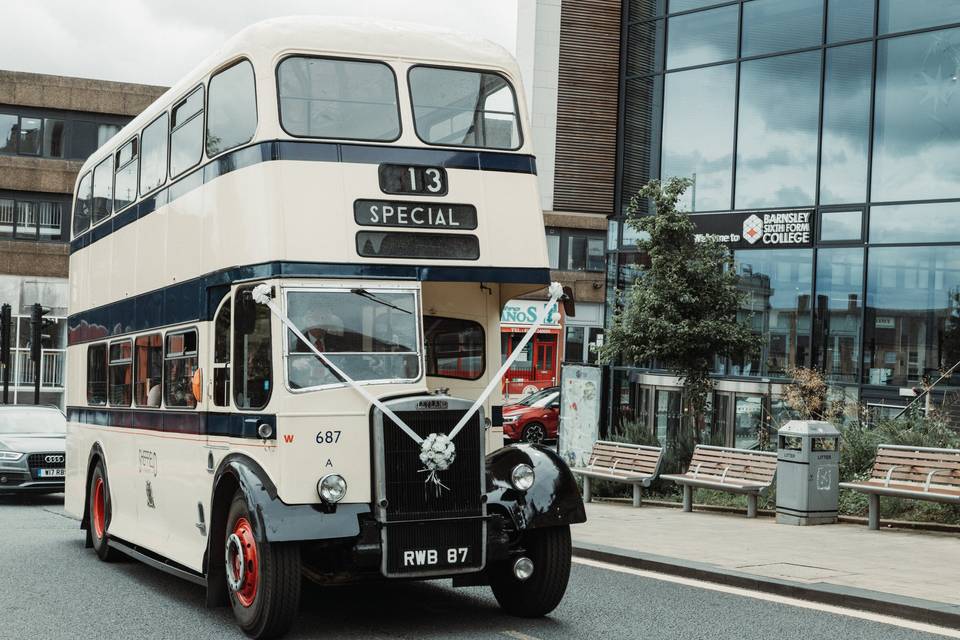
[920, 473]
[620, 462]
[740, 471]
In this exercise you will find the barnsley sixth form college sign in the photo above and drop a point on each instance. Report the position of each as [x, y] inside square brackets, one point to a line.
[792, 228]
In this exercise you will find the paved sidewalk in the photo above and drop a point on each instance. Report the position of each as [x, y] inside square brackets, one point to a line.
[842, 558]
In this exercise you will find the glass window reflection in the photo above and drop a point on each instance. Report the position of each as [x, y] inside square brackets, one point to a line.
[849, 20]
[906, 15]
[777, 137]
[703, 37]
[913, 314]
[698, 134]
[841, 225]
[641, 132]
[932, 222]
[775, 25]
[776, 284]
[917, 122]
[837, 329]
[846, 121]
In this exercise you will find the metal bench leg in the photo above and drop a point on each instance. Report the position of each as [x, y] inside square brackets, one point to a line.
[586, 488]
[637, 500]
[873, 518]
[687, 498]
[751, 505]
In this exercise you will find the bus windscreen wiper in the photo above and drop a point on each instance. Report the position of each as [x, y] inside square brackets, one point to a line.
[369, 296]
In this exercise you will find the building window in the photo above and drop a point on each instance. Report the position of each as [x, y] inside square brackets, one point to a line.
[849, 20]
[232, 108]
[917, 122]
[777, 137]
[87, 137]
[912, 329]
[846, 134]
[576, 249]
[916, 223]
[324, 98]
[148, 351]
[776, 284]
[841, 226]
[27, 217]
[839, 307]
[454, 348]
[698, 134]
[773, 25]
[702, 37]
[120, 372]
[907, 15]
[97, 374]
[180, 363]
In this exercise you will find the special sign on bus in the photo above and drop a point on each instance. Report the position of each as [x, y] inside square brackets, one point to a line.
[423, 215]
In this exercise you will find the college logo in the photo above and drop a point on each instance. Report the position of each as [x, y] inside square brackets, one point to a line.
[752, 229]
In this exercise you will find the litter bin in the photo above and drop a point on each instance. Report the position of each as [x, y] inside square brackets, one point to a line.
[808, 459]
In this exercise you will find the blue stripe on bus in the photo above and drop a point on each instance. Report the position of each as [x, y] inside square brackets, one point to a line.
[202, 423]
[197, 299]
[301, 150]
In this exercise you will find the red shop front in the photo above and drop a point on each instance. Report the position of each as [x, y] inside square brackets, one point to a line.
[538, 365]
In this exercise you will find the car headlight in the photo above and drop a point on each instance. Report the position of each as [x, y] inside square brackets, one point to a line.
[10, 455]
[522, 477]
[510, 419]
[332, 488]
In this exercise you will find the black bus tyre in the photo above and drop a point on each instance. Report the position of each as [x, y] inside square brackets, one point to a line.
[538, 595]
[263, 578]
[98, 514]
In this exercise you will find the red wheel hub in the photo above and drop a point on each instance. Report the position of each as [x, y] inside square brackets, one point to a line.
[243, 565]
[99, 508]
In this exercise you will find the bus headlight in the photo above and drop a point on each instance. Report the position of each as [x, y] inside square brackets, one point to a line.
[332, 488]
[522, 477]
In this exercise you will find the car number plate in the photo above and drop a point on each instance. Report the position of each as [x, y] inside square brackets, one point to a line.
[51, 473]
[430, 558]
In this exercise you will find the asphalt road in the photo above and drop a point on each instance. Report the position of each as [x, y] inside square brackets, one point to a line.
[51, 588]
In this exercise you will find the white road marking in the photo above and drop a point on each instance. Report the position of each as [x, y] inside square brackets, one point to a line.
[516, 635]
[759, 595]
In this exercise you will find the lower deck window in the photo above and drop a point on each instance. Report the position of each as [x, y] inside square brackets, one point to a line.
[148, 352]
[369, 334]
[121, 368]
[179, 366]
[454, 348]
[97, 374]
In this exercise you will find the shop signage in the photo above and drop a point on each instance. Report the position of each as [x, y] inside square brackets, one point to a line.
[525, 312]
[791, 228]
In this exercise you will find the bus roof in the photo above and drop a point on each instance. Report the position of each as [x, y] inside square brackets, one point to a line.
[386, 40]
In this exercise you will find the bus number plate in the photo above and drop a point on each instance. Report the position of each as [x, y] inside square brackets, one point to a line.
[427, 181]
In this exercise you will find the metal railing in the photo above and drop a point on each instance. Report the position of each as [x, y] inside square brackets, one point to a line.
[52, 368]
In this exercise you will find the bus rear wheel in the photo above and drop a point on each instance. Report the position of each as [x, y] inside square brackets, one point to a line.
[98, 513]
[547, 553]
[263, 578]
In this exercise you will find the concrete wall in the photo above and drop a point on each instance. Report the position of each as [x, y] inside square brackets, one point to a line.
[76, 94]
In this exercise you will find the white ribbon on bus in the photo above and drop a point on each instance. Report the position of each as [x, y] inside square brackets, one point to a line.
[437, 449]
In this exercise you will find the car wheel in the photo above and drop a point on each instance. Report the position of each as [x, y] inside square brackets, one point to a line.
[263, 578]
[541, 592]
[534, 433]
[99, 512]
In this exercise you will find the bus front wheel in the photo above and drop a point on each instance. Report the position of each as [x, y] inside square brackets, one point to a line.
[547, 553]
[98, 513]
[263, 578]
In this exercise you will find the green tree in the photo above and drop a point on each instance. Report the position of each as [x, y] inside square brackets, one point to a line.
[682, 309]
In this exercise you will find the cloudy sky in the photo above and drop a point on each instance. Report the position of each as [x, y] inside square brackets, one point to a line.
[157, 41]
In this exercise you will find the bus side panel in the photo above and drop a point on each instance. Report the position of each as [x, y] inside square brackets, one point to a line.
[122, 281]
[317, 216]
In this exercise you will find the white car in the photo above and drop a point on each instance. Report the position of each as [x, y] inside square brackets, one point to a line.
[32, 445]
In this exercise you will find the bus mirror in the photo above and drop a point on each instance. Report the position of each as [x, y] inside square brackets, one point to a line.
[245, 315]
[569, 307]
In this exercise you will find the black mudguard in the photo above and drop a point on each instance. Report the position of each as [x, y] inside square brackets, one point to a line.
[553, 500]
[276, 521]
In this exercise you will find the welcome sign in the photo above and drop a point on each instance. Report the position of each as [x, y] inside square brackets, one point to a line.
[770, 229]
[525, 312]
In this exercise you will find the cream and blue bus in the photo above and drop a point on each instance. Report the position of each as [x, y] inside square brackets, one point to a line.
[287, 276]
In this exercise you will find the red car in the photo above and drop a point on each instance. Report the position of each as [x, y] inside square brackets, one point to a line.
[535, 418]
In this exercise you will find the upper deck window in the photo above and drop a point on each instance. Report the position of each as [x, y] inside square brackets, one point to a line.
[153, 163]
[186, 133]
[103, 190]
[125, 184]
[464, 108]
[231, 108]
[81, 208]
[328, 98]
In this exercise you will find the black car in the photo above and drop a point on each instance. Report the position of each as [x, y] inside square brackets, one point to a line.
[32, 449]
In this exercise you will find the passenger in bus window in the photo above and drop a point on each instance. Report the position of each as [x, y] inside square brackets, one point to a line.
[153, 395]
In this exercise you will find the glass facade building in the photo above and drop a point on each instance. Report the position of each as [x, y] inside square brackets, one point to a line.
[818, 135]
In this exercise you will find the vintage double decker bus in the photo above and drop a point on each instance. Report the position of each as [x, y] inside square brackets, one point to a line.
[287, 276]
